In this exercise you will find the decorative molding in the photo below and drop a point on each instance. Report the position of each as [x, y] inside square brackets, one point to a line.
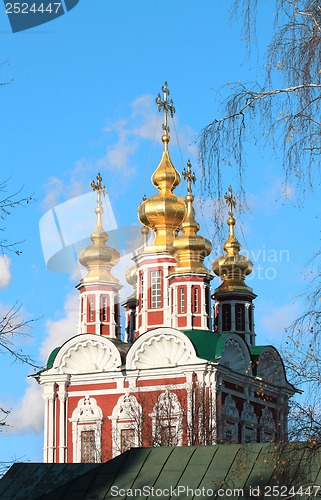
[87, 354]
[127, 414]
[86, 417]
[162, 347]
[270, 367]
[235, 355]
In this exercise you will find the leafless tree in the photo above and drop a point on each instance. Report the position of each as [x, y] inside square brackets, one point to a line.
[281, 109]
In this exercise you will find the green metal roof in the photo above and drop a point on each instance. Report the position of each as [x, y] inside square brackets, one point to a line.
[228, 471]
[208, 345]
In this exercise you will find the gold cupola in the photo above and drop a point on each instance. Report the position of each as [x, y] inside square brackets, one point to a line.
[232, 267]
[99, 258]
[163, 212]
[189, 248]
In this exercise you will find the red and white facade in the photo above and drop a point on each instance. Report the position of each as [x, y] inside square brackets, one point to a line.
[179, 377]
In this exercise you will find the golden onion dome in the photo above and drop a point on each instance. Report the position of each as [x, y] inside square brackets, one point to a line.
[232, 267]
[163, 212]
[131, 275]
[189, 248]
[99, 258]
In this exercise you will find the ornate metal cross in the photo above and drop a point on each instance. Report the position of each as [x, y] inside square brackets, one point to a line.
[98, 187]
[166, 106]
[189, 176]
[230, 200]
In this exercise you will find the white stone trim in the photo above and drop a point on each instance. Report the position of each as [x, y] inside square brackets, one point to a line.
[127, 414]
[86, 417]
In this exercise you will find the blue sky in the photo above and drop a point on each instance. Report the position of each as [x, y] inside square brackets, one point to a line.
[82, 100]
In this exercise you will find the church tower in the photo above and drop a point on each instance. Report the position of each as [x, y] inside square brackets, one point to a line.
[189, 280]
[163, 213]
[234, 310]
[99, 289]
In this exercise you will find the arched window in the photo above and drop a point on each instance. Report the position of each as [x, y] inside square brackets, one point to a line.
[86, 422]
[167, 418]
[126, 424]
[249, 424]
[231, 419]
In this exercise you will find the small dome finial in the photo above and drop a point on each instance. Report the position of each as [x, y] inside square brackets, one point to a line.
[167, 107]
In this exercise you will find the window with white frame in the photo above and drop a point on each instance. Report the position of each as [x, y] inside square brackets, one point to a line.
[142, 287]
[196, 291]
[267, 426]
[91, 308]
[249, 423]
[167, 417]
[155, 278]
[231, 420]
[182, 300]
[86, 423]
[126, 424]
[103, 311]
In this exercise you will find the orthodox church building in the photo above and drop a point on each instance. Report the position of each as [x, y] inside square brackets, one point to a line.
[188, 370]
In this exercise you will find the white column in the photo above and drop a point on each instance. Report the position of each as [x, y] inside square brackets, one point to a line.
[143, 328]
[175, 311]
[166, 295]
[45, 432]
[62, 395]
[203, 307]
[112, 315]
[50, 424]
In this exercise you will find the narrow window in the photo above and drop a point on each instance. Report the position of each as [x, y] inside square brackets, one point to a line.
[142, 287]
[103, 309]
[250, 318]
[88, 452]
[182, 300]
[127, 439]
[91, 308]
[195, 300]
[156, 289]
[226, 317]
[239, 317]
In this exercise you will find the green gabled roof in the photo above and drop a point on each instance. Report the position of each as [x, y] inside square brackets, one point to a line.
[208, 345]
[224, 467]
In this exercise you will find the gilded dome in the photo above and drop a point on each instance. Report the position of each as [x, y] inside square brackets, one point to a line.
[98, 258]
[232, 267]
[190, 248]
[163, 212]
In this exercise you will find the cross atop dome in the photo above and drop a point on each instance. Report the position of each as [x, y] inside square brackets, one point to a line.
[98, 187]
[189, 176]
[167, 107]
[230, 200]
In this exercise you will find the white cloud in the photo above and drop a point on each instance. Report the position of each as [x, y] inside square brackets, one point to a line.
[62, 329]
[26, 416]
[5, 274]
[272, 320]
